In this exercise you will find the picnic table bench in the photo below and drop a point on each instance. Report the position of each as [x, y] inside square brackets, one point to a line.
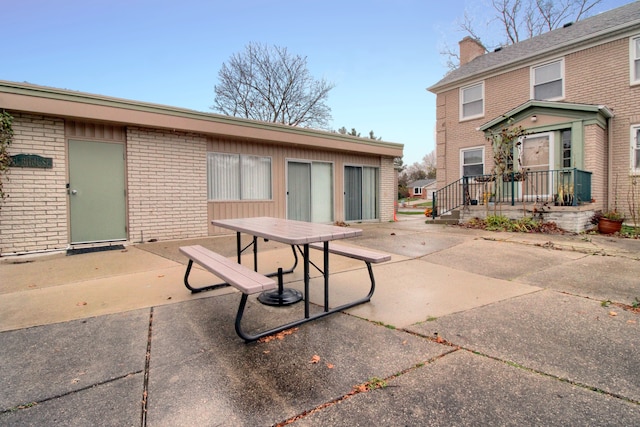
[362, 254]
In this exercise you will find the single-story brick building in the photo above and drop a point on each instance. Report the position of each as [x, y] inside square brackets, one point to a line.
[422, 188]
[89, 169]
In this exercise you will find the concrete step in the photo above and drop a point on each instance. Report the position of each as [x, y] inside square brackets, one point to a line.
[452, 217]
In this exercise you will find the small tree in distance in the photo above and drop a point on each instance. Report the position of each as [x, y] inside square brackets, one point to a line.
[269, 84]
[354, 132]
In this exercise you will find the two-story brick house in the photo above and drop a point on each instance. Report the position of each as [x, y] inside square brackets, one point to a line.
[576, 93]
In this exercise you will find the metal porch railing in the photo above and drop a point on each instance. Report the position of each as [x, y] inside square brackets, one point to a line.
[564, 187]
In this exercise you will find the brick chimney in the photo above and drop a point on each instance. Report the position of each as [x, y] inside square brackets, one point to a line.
[470, 49]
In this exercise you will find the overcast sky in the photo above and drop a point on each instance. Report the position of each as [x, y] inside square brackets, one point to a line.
[380, 54]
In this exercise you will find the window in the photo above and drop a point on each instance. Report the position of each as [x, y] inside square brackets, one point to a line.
[634, 59]
[472, 101]
[547, 81]
[566, 148]
[472, 161]
[417, 191]
[635, 150]
[238, 177]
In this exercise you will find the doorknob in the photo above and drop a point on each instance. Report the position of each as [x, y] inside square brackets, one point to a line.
[74, 192]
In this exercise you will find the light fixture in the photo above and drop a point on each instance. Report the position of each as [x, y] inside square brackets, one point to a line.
[534, 118]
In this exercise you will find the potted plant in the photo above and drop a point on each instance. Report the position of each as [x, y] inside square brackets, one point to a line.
[608, 222]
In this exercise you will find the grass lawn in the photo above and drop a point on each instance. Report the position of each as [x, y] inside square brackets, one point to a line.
[411, 213]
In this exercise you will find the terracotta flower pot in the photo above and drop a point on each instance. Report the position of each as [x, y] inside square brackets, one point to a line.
[609, 226]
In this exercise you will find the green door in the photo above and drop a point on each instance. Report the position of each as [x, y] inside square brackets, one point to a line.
[97, 192]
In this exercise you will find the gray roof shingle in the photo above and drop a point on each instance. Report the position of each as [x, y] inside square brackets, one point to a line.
[601, 26]
[421, 183]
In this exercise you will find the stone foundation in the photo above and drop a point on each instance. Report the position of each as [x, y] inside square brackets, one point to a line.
[576, 219]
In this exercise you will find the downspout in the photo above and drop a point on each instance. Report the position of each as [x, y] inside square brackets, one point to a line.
[609, 163]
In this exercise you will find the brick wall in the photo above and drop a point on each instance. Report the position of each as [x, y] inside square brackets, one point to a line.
[167, 181]
[388, 189]
[34, 216]
[598, 75]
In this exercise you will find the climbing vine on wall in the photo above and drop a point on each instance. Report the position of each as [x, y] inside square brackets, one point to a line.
[6, 137]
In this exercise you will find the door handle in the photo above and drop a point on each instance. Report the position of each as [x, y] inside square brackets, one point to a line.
[74, 192]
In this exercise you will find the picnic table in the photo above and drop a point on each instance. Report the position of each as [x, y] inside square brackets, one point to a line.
[301, 236]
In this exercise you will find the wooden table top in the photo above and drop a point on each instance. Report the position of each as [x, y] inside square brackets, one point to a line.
[286, 230]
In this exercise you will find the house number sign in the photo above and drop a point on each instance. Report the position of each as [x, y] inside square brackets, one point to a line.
[31, 161]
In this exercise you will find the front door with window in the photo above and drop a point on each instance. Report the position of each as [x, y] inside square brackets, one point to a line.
[536, 156]
[96, 188]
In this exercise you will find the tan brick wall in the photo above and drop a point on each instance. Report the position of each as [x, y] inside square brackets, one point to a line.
[598, 75]
[388, 189]
[167, 181]
[34, 216]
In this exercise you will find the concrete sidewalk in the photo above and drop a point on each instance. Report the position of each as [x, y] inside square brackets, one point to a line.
[466, 327]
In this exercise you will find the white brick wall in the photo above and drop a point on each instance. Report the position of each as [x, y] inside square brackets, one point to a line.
[34, 216]
[167, 181]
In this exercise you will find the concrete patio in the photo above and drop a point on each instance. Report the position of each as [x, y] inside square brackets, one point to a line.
[466, 327]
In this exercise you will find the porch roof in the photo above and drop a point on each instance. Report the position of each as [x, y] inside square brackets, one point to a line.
[533, 107]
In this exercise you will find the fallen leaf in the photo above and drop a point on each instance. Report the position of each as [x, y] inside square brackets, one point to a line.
[439, 340]
[81, 303]
[631, 321]
[162, 275]
[361, 388]
[613, 313]
[315, 359]
[32, 286]
[266, 351]
[404, 342]
[278, 336]
[329, 365]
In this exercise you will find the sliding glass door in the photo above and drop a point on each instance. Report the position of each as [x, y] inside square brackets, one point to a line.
[310, 191]
[360, 193]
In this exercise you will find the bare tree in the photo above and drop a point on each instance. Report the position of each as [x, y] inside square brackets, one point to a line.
[525, 19]
[269, 84]
[429, 164]
[518, 21]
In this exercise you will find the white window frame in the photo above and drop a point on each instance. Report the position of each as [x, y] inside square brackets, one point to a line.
[462, 103]
[634, 60]
[533, 79]
[634, 149]
[241, 180]
[462, 165]
[417, 191]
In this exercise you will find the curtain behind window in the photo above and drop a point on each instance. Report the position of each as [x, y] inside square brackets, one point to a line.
[223, 176]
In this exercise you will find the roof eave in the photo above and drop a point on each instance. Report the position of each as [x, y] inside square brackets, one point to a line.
[601, 109]
[128, 112]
